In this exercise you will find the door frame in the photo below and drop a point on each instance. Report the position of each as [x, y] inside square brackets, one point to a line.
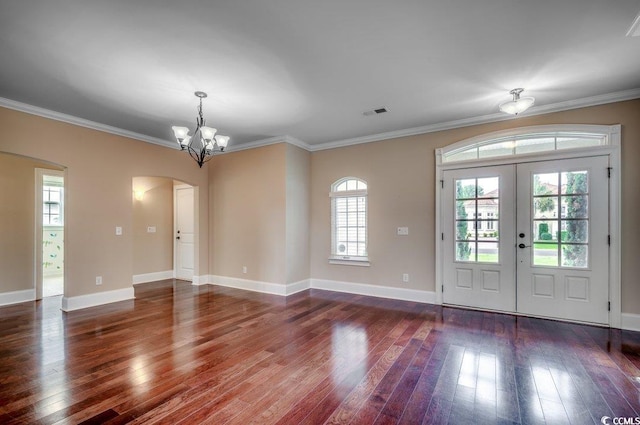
[611, 149]
[196, 230]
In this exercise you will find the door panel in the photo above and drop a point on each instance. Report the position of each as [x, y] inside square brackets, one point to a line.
[563, 263]
[184, 233]
[479, 224]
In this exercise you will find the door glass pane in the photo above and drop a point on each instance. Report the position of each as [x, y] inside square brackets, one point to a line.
[545, 184]
[575, 182]
[477, 219]
[466, 209]
[545, 231]
[465, 231]
[545, 254]
[545, 207]
[575, 206]
[488, 230]
[488, 252]
[575, 231]
[574, 255]
[465, 251]
[466, 189]
[561, 219]
[488, 187]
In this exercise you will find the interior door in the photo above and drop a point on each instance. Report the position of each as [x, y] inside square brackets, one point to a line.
[563, 228]
[479, 238]
[184, 232]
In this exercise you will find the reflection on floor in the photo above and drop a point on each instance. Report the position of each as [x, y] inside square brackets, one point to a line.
[52, 286]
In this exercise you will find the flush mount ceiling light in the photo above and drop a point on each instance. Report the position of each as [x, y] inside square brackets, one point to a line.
[204, 142]
[518, 104]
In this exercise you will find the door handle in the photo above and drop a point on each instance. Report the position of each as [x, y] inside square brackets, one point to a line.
[524, 246]
[177, 237]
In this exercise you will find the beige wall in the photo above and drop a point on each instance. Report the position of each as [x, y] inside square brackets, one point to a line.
[100, 168]
[153, 252]
[17, 221]
[401, 174]
[298, 175]
[248, 214]
[254, 201]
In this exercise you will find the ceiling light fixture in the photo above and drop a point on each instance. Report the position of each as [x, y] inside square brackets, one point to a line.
[204, 142]
[518, 104]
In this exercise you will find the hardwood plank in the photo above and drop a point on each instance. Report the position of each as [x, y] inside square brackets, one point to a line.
[179, 354]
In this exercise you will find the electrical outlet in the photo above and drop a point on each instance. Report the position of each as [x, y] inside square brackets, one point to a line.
[403, 231]
[151, 229]
[98, 280]
[405, 277]
[244, 269]
[118, 231]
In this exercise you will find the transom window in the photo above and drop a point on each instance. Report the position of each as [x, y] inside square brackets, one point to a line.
[525, 144]
[349, 220]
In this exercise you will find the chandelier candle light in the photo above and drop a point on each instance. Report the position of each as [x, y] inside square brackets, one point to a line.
[204, 142]
[518, 104]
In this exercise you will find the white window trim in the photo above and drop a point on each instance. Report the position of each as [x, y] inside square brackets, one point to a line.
[349, 260]
[612, 149]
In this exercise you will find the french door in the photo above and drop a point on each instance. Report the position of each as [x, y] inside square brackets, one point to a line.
[529, 238]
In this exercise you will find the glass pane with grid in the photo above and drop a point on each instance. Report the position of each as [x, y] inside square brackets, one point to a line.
[477, 220]
[561, 219]
[350, 223]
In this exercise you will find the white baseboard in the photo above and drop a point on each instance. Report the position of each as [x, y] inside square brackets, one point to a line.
[15, 297]
[92, 300]
[152, 277]
[294, 288]
[255, 286]
[330, 285]
[631, 322]
[403, 294]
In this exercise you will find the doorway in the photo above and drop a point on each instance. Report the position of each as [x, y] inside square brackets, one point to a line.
[50, 229]
[529, 238]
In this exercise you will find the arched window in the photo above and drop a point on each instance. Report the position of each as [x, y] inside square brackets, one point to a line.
[527, 141]
[349, 221]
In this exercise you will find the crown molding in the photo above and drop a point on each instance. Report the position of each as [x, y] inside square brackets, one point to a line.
[485, 119]
[81, 122]
[431, 128]
[269, 141]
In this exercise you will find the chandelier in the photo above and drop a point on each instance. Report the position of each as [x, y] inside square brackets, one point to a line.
[518, 104]
[204, 142]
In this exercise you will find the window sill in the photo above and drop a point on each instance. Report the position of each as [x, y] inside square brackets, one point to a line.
[346, 261]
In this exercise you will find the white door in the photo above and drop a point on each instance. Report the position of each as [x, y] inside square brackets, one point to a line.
[563, 228]
[184, 233]
[479, 238]
[550, 261]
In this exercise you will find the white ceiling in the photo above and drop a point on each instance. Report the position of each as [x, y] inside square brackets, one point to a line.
[308, 70]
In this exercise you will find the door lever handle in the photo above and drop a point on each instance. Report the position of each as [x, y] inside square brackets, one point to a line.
[524, 246]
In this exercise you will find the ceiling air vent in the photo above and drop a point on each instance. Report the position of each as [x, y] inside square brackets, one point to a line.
[376, 111]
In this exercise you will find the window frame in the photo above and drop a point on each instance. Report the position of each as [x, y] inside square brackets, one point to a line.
[335, 257]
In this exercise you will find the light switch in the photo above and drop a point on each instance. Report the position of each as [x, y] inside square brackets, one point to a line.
[151, 229]
[403, 231]
[118, 231]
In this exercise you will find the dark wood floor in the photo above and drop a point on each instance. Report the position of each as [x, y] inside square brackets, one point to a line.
[180, 354]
